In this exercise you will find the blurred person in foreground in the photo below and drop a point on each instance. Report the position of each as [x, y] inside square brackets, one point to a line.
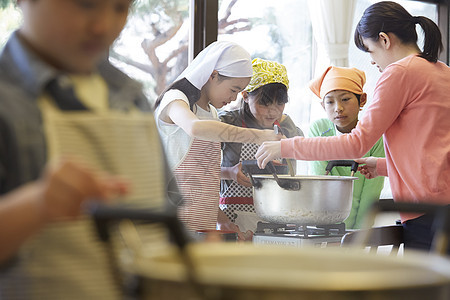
[58, 195]
[60, 97]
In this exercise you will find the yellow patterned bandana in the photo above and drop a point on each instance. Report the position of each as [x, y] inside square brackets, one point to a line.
[265, 72]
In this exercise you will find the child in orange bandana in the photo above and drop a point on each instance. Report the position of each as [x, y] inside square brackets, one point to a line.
[342, 96]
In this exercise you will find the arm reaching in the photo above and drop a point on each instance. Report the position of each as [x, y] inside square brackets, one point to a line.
[178, 112]
[58, 195]
[268, 151]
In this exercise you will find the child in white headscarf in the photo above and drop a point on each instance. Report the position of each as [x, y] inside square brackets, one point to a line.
[191, 131]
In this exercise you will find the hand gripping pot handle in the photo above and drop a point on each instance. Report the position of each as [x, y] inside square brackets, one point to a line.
[342, 163]
[248, 166]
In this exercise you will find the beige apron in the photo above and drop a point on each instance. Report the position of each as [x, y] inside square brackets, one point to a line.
[67, 260]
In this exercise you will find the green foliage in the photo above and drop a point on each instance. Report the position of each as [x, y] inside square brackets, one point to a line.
[162, 14]
[5, 3]
[10, 18]
[269, 21]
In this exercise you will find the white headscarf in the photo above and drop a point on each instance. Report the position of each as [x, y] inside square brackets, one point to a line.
[227, 58]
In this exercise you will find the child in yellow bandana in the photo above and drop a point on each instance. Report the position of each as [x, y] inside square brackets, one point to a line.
[342, 96]
[263, 104]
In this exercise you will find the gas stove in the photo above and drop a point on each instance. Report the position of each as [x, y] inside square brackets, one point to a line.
[299, 236]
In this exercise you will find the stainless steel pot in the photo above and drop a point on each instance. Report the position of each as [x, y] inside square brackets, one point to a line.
[232, 271]
[302, 200]
[247, 272]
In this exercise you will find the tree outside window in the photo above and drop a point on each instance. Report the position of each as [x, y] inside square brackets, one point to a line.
[153, 47]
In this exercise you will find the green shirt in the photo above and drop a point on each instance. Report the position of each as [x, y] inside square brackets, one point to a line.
[365, 191]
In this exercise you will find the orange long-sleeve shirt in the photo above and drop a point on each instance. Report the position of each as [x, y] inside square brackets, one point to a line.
[411, 108]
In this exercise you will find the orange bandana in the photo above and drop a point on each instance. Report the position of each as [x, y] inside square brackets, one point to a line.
[338, 78]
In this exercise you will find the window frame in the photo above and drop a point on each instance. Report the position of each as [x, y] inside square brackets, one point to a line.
[444, 26]
[205, 17]
[204, 25]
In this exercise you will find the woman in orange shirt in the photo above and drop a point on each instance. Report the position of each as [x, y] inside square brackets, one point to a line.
[410, 108]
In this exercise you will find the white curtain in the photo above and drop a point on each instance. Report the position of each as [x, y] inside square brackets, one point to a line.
[332, 22]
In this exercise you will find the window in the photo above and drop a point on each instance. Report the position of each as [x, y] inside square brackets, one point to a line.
[280, 31]
[10, 17]
[153, 47]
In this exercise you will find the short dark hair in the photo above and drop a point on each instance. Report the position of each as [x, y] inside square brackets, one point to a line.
[222, 77]
[358, 96]
[269, 93]
[388, 16]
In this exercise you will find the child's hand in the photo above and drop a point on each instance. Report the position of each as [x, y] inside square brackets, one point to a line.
[244, 236]
[68, 184]
[268, 152]
[248, 235]
[239, 176]
[369, 167]
[269, 135]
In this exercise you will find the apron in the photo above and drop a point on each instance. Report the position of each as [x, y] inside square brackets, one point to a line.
[198, 178]
[124, 144]
[237, 201]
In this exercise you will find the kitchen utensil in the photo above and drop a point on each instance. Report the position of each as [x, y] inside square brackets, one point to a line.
[278, 130]
[247, 272]
[105, 215]
[286, 184]
[302, 199]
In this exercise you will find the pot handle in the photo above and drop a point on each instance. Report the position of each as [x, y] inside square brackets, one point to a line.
[342, 163]
[247, 166]
[104, 215]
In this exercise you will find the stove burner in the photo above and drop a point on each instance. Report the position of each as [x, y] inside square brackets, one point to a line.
[303, 231]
